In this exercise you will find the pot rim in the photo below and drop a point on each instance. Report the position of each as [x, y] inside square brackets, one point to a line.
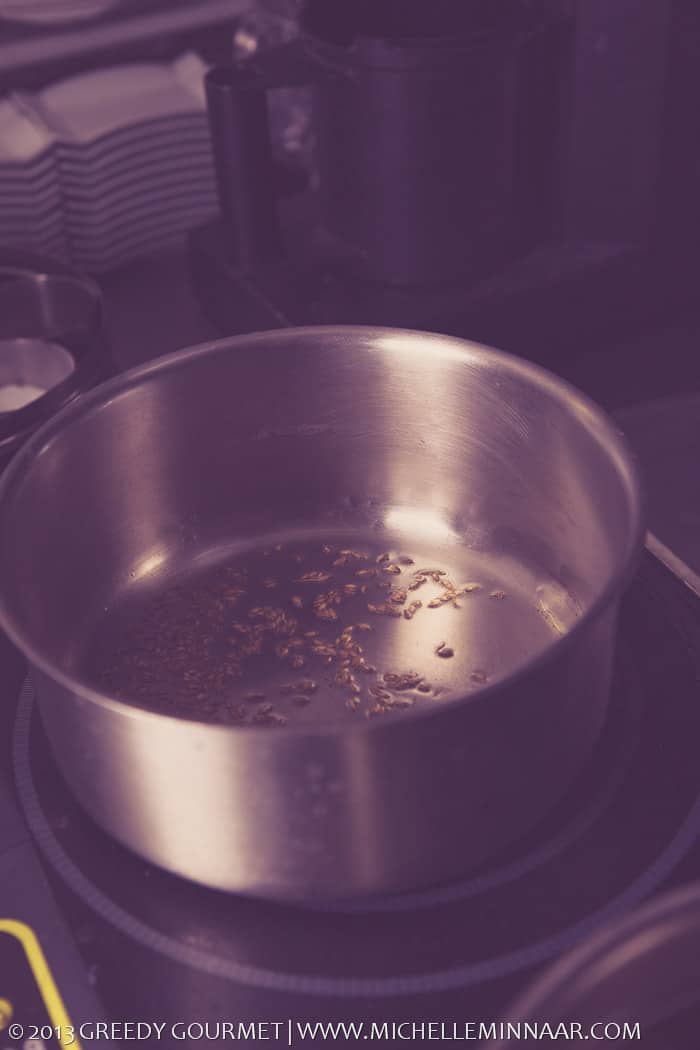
[589, 414]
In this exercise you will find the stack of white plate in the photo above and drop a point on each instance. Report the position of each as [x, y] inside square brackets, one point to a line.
[132, 158]
[31, 212]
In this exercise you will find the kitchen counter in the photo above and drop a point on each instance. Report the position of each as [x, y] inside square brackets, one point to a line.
[151, 310]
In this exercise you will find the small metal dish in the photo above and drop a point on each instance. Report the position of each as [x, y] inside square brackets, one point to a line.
[32, 364]
[51, 338]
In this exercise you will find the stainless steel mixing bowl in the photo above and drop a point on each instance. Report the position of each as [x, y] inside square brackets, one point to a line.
[422, 440]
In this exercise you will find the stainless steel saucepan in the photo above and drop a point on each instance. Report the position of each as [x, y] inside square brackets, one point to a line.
[324, 611]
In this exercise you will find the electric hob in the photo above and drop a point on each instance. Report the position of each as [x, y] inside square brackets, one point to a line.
[128, 942]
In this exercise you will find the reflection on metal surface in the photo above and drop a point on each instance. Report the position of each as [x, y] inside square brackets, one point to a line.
[149, 565]
[420, 523]
[665, 436]
[673, 563]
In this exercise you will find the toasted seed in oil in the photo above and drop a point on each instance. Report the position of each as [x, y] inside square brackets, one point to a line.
[497, 594]
[447, 598]
[366, 572]
[343, 676]
[314, 576]
[423, 687]
[383, 610]
[444, 651]
[297, 601]
[400, 682]
[379, 692]
[478, 676]
[470, 588]
[323, 648]
[392, 568]
[296, 661]
[403, 560]
[398, 595]
[415, 584]
[363, 626]
[382, 558]
[353, 703]
[306, 685]
[237, 713]
[326, 549]
[323, 605]
[399, 703]
[412, 609]
[269, 718]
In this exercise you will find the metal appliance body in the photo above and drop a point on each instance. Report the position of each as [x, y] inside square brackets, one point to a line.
[435, 145]
[415, 436]
[428, 169]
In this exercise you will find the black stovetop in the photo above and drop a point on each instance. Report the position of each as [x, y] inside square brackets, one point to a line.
[153, 947]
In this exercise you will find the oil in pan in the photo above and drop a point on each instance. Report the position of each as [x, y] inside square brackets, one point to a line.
[322, 629]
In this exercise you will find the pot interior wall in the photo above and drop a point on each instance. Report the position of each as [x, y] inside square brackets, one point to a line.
[415, 435]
